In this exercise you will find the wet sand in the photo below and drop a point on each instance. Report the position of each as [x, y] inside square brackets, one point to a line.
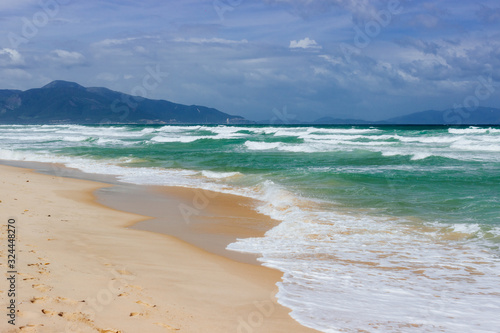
[83, 268]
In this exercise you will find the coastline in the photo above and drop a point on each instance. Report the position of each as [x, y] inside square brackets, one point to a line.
[207, 219]
[82, 268]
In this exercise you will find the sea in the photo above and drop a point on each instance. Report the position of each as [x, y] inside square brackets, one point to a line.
[383, 229]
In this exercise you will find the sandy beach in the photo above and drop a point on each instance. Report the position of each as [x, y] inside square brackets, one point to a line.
[82, 268]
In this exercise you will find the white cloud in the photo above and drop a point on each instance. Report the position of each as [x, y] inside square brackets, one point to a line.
[10, 57]
[112, 42]
[332, 60]
[320, 70]
[115, 42]
[67, 58]
[305, 43]
[140, 49]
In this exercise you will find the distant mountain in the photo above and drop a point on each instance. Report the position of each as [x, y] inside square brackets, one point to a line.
[62, 102]
[478, 116]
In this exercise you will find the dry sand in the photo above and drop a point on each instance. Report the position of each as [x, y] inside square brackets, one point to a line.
[82, 269]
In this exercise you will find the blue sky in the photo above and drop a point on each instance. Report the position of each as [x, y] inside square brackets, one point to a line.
[263, 59]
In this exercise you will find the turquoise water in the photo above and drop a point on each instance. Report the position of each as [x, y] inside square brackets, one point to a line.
[402, 222]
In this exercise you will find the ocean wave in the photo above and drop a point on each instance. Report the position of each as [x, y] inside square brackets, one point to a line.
[475, 145]
[107, 141]
[258, 145]
[220, 175]
[473, 130]
[182, 139]
[339, 262]
[420, 156]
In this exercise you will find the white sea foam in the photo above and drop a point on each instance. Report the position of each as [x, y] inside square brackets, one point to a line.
[183, 139]
[148, 130]
[466, 228]
[475, 145]
[190, 134]
[338, 263]
[37, 138]
[219, 175]
[430, 139]
[420, 156]
[107, 141]
[76, 138]
[336, 137]
[257, 145]
[473, 130]
[343, 130]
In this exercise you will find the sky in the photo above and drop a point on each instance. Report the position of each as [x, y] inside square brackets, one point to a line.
[286, 60]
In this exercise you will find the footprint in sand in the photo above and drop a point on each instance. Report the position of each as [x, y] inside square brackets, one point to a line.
[38, 300]
[26, 276]
[167, 326]
[75, 317]
[146, 304]
[41, 287]
[29, 328]
[48, 312]
[124, 272]
[66, 300]
[134, 287]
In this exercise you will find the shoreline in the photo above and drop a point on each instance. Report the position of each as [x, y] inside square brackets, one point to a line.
[83, 268]
[207, 219]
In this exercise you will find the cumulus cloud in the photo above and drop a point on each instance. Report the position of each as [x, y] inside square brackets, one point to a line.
[9, 57]
[305, 43]
[67, 58]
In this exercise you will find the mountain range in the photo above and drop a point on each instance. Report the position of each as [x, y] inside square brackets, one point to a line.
[463, 116]
[63, 102]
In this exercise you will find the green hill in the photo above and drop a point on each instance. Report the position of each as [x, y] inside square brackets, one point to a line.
[62, 102]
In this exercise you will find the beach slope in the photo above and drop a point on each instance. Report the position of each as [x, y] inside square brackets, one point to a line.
[81, 269]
